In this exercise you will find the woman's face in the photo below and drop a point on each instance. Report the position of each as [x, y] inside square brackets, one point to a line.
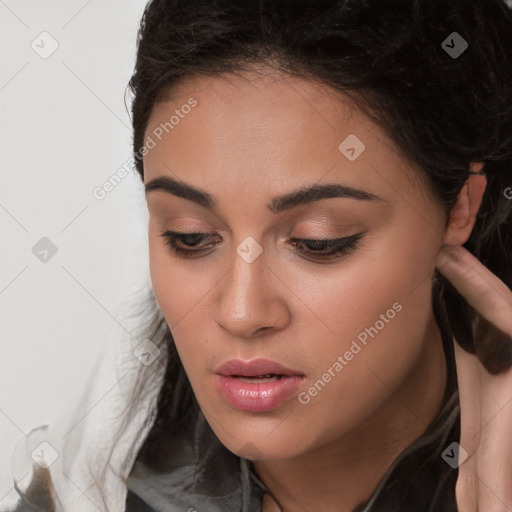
[353, 328]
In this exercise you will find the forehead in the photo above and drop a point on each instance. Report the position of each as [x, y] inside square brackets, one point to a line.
[266, 127]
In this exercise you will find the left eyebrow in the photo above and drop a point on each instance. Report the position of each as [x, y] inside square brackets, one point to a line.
[301, 196]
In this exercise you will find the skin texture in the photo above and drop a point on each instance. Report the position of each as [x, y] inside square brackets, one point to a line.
[254, 137]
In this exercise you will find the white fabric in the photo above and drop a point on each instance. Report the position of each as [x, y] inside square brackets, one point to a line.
[98, 437]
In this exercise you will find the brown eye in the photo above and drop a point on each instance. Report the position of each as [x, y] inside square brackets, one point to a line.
[327, 248]
[180, 241]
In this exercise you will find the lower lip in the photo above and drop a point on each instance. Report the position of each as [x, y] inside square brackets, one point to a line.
[258, 396]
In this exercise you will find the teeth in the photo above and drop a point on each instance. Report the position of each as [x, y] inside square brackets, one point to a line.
[269, 377]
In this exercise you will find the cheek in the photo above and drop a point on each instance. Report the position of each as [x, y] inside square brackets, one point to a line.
[179, 285]
[380, 299]
[350, 296]
[377, 325]
[183, 292]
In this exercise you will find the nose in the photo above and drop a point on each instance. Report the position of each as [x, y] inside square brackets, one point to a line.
[251, 299]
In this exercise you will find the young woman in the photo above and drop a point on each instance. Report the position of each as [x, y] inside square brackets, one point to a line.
[329, 189]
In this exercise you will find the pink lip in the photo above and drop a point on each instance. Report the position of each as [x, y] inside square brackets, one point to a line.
[252, 368]
[257, 396]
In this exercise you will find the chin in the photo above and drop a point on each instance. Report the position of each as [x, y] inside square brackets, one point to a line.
[263, 444]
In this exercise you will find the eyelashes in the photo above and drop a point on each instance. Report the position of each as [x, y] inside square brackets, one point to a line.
[327, 247]
[185, 245]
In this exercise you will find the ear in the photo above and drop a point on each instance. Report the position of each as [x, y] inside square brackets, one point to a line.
[463, 214]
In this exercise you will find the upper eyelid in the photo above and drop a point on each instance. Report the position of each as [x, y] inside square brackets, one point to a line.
[212, 235]
[336, 247]
[356, 237]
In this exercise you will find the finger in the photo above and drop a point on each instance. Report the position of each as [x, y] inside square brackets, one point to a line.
[468, 371]
[484, 291]
[485, 478]
[494, 453]
[465, 490]
[493, 469]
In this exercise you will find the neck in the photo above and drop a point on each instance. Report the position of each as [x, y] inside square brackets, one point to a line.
[341, 475]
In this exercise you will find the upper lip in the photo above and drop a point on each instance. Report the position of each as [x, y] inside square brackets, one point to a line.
[253, 368]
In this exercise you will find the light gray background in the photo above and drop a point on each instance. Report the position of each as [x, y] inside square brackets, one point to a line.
[64, 130]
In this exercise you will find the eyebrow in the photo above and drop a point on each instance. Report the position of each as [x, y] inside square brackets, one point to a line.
[301, 196]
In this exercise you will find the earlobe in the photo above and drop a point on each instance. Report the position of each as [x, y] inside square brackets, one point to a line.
[463, 214]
